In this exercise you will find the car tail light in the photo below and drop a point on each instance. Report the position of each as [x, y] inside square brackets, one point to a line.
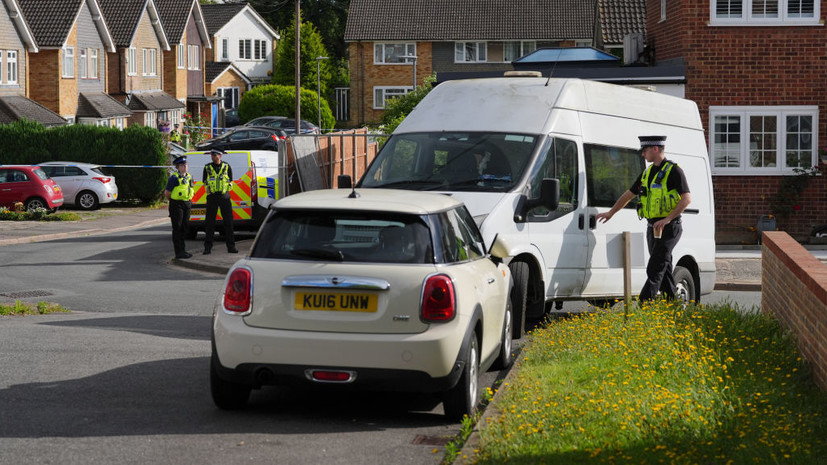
[103, 179]
[48, 189]
[239, 292]
[438, 299]
[331, 376]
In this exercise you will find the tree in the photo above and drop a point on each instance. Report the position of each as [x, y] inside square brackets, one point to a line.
[329, 17]
[311, 47]
[281, 100]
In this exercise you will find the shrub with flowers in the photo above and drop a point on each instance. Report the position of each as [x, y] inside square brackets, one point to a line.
[196, 127]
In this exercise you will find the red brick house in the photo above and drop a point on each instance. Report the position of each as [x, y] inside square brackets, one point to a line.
[756, 69]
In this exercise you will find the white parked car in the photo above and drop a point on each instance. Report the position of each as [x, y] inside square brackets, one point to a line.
[375, 290]
[84, 185]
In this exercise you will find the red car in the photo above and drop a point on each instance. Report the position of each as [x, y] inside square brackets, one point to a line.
[30, 186]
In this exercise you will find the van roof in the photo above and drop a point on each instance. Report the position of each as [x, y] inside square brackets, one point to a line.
[523, 105]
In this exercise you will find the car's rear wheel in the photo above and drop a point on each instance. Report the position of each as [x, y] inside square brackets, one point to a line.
[463, 398]
[225, 394]
[505, 357]
[35, 203]
[519, 297]
[87, 200]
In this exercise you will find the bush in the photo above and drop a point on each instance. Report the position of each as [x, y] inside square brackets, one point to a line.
[29, 143]
[279, 100]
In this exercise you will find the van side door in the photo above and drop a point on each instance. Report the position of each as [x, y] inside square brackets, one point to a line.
[560, 235]
[611, 171]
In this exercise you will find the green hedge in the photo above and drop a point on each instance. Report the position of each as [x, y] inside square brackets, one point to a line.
[26, 142]
[272, 99]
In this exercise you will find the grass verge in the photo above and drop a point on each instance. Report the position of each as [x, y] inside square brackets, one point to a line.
[25, 308]
[662, 385]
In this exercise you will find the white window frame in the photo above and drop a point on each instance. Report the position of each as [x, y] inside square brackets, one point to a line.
[526, 47]
[480, 52]
[131, 61]
[93, 63]
[384, 53]
[182, 56]
[234, 94]
[748, 18]
[380, 94]
[83, 66]
[225, 49]
[68, 62]
[744, 113]
[12, 70]
[193, 57]
[662, 10]
[144, 62]
[153, 62]
[245, 49]
[259, 50]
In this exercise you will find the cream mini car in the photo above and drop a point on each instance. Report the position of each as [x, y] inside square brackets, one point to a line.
[368, 289]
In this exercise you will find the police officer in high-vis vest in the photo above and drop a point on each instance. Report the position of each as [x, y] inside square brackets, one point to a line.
[218, 177]
[179, 192]
[664, 195]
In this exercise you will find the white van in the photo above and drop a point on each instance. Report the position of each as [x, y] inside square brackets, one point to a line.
[535, 160]
[255, 185]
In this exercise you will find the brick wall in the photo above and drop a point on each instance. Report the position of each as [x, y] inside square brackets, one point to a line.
[364, 75]
[794, 291]
[747, 66]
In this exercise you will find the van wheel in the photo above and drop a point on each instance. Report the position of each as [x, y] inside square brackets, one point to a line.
[463, 398]
[685, 284]
[519, 296]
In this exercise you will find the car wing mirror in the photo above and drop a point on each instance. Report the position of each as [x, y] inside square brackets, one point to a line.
[549, 198]
[499, 248]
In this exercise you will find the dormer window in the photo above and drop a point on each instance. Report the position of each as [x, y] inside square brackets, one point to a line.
[764, 12]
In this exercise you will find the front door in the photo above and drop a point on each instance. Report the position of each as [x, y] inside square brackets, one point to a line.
[560, 235]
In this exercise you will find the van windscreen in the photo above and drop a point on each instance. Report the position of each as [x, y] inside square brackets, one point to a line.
[461, 161]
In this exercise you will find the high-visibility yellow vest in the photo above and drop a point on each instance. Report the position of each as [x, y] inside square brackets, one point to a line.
[184, 190]
[218, 182]
[657, 201]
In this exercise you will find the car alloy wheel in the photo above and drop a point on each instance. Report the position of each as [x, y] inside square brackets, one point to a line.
[462, 399]
[87, 200]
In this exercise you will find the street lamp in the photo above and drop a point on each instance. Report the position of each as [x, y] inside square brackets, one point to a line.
[319, 88]
[412, 57]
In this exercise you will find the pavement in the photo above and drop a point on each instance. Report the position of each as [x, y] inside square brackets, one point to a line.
[739, 267]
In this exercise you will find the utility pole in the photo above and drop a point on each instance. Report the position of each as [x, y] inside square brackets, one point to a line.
[298, 66]
[319, 90]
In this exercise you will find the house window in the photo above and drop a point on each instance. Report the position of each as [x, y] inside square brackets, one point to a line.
[150, 56]
[260, 49]
[764, 12]
[131, 62]
[230, 96]
[193, 57]
[69, 62]
[82, 63]
[225, 49]
[393, 53]
[182, 56]
[382, 94]
[762, 140]
[93, 63]
[244, 49]
[11, 66]
[517, 49]
[470, 52]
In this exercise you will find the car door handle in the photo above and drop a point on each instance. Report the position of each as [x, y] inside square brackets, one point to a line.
[580, 221]
[592, 221]
[491, 280]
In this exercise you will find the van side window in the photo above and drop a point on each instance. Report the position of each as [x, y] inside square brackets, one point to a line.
[560, 162]
[611, 171]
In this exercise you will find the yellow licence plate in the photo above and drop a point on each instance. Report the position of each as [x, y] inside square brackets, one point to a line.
[336, 302]
[198, 211]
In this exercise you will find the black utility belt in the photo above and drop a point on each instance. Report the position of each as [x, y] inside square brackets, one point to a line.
[652, 221]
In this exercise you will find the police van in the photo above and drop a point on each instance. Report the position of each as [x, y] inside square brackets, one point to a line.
[535, 159]
[255, 185]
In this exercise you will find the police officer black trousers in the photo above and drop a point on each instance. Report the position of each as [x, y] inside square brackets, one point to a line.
[659, 270]
[217, 202]
[179, 216]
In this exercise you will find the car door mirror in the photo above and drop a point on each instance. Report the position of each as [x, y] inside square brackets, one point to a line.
[549, 198]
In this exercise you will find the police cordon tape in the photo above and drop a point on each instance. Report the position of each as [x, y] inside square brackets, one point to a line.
[130, 166]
